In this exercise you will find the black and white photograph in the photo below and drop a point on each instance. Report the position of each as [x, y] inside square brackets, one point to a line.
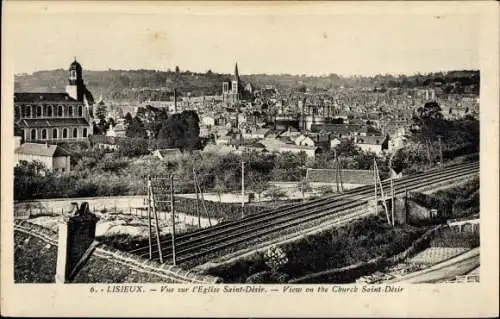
[238, 149]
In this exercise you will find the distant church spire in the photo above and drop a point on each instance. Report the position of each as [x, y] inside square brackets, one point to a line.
[236, 74]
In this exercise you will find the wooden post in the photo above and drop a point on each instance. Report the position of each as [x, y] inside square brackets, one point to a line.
[375, 183]
[440, 152]
[155, 213]
[173, 217]
[242, 189]
[149, 219]
[393, 193]
[195, 180]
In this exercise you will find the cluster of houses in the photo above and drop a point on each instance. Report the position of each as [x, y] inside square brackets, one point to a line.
[241, 118]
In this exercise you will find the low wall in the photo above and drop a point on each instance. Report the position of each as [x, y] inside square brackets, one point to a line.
[113, 255]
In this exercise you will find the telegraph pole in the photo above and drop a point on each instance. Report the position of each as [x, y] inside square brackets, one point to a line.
[375, 183]
[440, 152]
[157, 228]
[392, 198]
[197, 198]
[173, 219]
[149, 218]
[242, 189]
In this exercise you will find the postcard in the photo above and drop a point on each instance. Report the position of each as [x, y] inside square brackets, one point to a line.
[250, 159]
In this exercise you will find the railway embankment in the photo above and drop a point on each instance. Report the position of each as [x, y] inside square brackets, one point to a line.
[341, 253]
[350, 244]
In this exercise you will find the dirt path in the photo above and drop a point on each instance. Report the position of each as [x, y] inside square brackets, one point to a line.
[446, 270]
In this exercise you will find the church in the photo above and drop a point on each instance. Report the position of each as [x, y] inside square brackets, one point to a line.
[233, 91]
[55, 117]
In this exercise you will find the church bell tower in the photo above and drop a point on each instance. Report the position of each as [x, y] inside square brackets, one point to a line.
[75, 88]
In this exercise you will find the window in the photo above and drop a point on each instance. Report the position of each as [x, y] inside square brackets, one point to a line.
[70, 111]
[75, 133]
[80, 111]
[28, 111]
[72, 74]
[84, 132]
[224, 87]
[235, 86]
[38, 111]
[49, 110]
[33, 134]
[44, 134]
[17, 113]
[60, 111]
[65, 133]
[54, 133]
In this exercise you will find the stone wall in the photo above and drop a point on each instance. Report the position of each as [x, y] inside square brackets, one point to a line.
[169, 272]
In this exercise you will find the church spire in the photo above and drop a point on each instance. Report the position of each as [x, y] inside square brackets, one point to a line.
[236, 74]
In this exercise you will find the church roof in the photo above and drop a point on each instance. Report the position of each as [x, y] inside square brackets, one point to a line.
[52, 122]
[25, 97]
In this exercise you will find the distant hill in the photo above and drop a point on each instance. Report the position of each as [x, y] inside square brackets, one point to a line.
[140, 85]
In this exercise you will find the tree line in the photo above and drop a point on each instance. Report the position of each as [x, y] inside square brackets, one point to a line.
[140, 85]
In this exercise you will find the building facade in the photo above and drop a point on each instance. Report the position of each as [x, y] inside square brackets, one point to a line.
[53, 117]
[53, 157]
[234, 91]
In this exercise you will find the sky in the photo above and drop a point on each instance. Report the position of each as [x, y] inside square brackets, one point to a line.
[312, 42]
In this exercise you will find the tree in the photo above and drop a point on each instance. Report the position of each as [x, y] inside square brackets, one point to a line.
[177, 70]
[430, 111]
[101, 111]
[136, 129]
[347, 148]
[128, 118]
[181, 131]
[259, 185]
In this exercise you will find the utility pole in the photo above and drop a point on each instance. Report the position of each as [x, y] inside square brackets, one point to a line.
[384, 204]
[173, 218]
[393, 193]
[242, 188]
[336, 170]
[149, 218]
[375, 184]
[195, 180]
[440, 152]
[157, 228]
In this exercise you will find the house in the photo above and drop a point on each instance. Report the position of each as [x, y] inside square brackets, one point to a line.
[276, 145]
[290, 132]
[257, 133]
[167, 153]
[348, 178]
[341, 130]
[207, 120]
[223, 140]
[303, 140]
[55, 158]
[310, 151]
[374, 144]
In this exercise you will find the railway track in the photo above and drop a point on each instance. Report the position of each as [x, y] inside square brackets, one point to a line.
[203, 242]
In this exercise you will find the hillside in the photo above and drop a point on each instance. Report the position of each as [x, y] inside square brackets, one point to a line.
[140, 85]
